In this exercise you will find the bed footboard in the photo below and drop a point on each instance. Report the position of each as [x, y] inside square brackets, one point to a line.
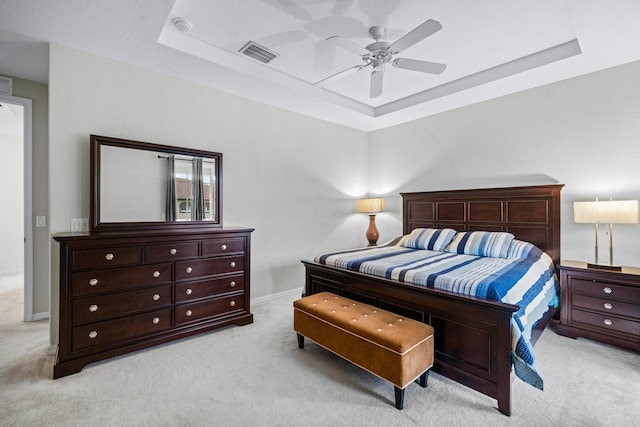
[472, 335]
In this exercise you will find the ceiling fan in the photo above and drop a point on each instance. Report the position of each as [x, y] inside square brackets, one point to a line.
[380, 52]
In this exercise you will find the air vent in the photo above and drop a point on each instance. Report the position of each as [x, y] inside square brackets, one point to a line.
[259, 53]
[6, 85]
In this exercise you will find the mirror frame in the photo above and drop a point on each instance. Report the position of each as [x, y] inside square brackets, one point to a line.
[95, 223]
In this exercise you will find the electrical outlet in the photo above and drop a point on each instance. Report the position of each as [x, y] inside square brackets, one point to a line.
[79, 225]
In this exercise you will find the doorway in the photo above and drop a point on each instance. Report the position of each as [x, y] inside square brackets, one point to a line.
[16, 254]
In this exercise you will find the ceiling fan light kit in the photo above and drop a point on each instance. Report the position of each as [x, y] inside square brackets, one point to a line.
[381, 52]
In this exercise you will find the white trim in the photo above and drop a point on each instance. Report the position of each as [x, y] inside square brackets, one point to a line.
[267, 298]
[27, 105]
[40, 316]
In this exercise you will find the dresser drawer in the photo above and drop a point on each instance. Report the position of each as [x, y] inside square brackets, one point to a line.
[603, 321]
[604, 289]
[209, 267]
[93, 309]
[170, 251]
[106, 257]
[118, 330]
[187, 313]
[112, 279]
[606, 306]
[205, 288]
[222, 246]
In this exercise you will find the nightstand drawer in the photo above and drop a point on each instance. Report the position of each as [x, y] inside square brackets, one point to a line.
[604, 289]
[606, 306]
[606, 322]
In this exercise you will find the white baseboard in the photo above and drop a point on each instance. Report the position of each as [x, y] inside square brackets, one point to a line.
[40, 316]
[52, 350]
[267, 298]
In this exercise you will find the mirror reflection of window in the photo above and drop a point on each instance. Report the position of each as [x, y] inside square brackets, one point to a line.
[184, 188]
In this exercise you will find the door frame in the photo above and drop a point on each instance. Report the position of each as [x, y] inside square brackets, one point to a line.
[27, 105]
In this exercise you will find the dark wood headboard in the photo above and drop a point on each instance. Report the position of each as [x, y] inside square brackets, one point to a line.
[530, 213]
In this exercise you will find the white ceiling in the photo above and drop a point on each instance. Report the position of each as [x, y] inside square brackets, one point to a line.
[491, 47]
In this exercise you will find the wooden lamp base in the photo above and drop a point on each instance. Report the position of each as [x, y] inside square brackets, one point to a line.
[372, 231]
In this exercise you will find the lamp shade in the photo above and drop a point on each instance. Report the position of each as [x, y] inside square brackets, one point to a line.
[606, 212]
[370, 205]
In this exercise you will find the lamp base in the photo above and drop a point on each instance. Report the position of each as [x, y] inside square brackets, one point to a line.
[604, 267]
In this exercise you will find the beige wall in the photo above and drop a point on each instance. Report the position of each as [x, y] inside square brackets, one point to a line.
[583, 132]
[39, 94]
[291, 177]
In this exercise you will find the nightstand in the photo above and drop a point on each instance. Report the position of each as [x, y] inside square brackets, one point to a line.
[601, 305]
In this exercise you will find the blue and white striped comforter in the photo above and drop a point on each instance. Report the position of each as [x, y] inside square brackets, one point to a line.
[526, 279]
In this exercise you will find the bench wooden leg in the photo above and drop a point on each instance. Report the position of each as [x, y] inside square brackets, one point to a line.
[300, 341]
[423, 379]
[399, 397]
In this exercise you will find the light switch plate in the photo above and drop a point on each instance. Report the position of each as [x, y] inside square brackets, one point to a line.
[41, 221]
[79, 225]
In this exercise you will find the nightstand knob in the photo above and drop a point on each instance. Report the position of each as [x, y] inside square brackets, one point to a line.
[223, 247]
[188, 270]
[108, 257]
[232, 264]
[232, 284]
[608, 305]
[156, 297]
[608, 322]
[156, 273]
[189, 313]
[607, 290]
[156, 320]
[93, 282]
[173, 251]
[93, 334]
[188, 291]
[232, 303]
[93, 308]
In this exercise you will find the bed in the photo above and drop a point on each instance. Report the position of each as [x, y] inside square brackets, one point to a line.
[474, 335]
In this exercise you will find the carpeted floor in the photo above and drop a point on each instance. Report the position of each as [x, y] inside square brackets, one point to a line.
[255, 375]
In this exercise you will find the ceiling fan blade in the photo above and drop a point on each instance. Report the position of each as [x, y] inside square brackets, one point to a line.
[421, 32]
[417, 65]
[376, 84]
[347, 45]
[339, 75]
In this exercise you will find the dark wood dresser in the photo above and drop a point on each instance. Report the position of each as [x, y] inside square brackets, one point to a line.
[601, 305]
[121, 292]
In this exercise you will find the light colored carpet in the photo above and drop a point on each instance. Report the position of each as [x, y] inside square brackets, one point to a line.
[255, 375]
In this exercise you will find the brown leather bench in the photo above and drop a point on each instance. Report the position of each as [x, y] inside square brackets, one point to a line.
[394, 348]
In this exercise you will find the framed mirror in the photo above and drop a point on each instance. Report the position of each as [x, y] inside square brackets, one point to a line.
[138, 186]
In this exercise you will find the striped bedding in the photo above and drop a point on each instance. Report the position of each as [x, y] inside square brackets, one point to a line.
[524, 277]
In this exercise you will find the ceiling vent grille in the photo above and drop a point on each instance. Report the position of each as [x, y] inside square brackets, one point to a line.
[259, 53]
[6, 85]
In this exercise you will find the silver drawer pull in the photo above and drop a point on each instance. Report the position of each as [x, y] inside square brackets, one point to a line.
[93, 334]
[93, 308]
[608, 305]
[223, 247]
[156, 297]
[188, 291]
[108, 257]
[173, 251]
[156, 273]
[156, 320]
[232, 263]
[608, 322]
[188, 270]
[607, 290]
[232, 284]
[232, 303]
[189, 313]
[93, 282]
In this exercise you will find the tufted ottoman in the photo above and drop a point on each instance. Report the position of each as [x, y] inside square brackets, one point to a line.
[394, 348]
